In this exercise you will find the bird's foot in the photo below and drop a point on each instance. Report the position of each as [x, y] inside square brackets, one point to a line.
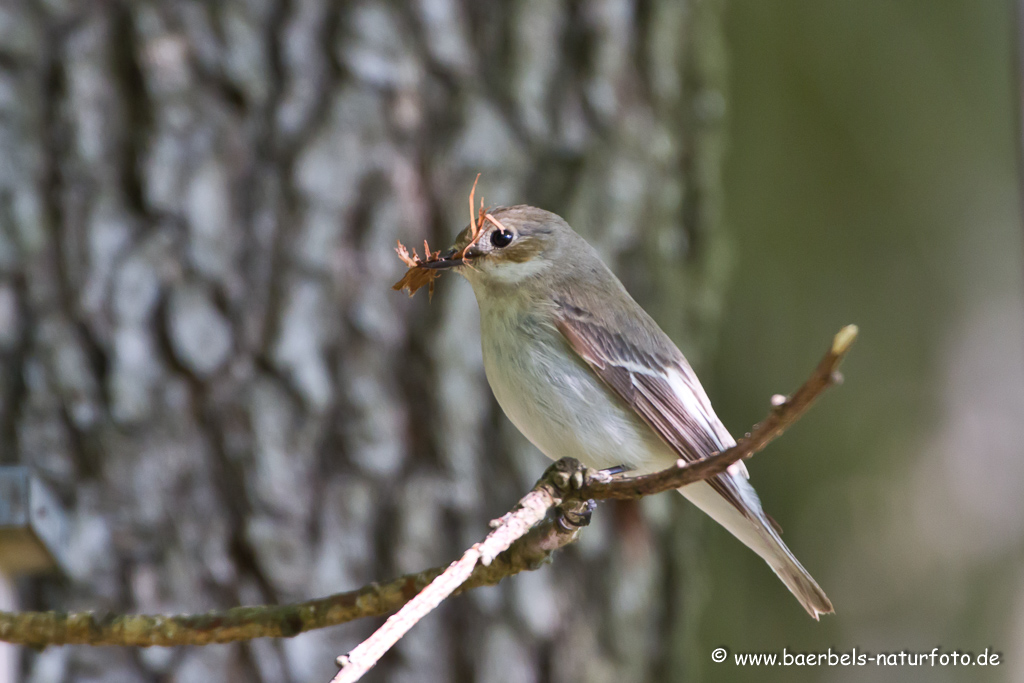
[566, 475]
[574, 514]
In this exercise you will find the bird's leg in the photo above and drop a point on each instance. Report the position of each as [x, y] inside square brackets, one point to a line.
[574, 514]
[567, 476]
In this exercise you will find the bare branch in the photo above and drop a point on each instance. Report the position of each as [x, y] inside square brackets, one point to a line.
[785, 411]
[565, 486]
[40, 629]
[531, 509]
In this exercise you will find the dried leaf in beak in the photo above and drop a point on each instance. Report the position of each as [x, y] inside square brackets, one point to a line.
[423, 272]
[418, 275]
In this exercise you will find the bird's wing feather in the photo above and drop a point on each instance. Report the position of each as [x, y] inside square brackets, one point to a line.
[660, 387]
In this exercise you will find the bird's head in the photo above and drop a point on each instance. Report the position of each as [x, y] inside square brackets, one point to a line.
[509, 247]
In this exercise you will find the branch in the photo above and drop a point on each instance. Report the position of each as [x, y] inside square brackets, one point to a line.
[560, 477]
[40, 629]
[533, 507]
[566, 486]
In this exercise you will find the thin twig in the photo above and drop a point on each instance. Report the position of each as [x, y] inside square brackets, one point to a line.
[531, 509]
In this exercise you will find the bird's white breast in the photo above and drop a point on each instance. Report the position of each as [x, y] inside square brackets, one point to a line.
[556, 400]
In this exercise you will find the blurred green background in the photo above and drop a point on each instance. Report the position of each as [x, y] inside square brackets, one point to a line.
[872, 179]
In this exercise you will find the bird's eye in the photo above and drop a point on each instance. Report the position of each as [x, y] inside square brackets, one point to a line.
[501, 238]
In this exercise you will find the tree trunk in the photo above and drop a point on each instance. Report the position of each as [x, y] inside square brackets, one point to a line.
[200, 349]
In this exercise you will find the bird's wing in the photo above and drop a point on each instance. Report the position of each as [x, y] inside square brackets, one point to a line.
[662, 389]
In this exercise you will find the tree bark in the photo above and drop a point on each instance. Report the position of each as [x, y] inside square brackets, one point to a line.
[200, 350]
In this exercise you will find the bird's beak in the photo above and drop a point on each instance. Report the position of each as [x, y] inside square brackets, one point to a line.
[452, 258]
[447, 260]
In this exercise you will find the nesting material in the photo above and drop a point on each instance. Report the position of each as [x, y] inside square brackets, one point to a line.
[420, 274]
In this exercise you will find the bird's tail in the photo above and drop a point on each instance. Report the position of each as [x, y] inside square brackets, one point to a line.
[759, 533]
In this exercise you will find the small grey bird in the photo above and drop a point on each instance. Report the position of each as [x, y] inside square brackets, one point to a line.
[582, 370]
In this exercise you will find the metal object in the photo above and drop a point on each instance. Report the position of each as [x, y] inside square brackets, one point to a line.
[33, 526]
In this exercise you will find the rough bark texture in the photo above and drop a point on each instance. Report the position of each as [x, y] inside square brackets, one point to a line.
[200, 350]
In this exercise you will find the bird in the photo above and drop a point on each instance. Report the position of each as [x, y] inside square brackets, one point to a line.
[580, 368]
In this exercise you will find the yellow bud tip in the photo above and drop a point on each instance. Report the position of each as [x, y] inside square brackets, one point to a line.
[841, 342]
